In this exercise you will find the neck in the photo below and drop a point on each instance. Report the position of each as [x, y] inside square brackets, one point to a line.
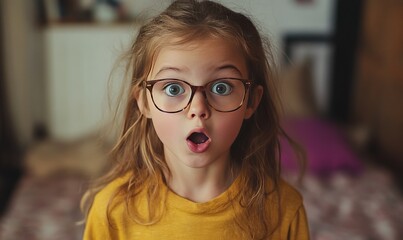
[199, 184]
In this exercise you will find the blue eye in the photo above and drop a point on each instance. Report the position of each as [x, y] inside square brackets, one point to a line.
[174, 89]
[221, 88]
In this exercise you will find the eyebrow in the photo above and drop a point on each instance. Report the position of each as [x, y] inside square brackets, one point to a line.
[231, 67]
[167, 69]
[224, 67]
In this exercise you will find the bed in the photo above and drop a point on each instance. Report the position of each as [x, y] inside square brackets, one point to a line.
[342, 206]
[346, 195]
[44, 208]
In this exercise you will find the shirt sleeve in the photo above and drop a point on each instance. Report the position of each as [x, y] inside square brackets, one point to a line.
[299, 229]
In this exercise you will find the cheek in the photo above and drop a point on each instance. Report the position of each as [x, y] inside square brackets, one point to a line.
[157, 118]
[166, 125]
[227, 130]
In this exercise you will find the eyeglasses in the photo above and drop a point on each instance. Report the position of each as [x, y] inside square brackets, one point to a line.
[174, 95]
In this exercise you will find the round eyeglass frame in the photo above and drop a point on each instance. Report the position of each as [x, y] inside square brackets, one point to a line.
[150, 84]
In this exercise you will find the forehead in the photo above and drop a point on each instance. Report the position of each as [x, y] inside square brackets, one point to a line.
[202, 54]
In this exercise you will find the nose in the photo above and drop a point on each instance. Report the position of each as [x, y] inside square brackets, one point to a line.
[198, 106]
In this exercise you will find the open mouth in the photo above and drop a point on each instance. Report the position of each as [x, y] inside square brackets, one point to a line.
[198, 138]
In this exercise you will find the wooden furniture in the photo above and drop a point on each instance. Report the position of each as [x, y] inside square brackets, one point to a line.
[379, 88]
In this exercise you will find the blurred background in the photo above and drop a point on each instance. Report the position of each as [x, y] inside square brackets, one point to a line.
[341, 82]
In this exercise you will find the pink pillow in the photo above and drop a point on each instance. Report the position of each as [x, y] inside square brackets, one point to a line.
[326, 147]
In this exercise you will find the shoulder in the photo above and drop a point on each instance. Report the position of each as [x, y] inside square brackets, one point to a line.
[289, 195]
[294, 223]
[284, 193]
[283, 197]
[98, 223]
[287, 199]
[107, 196]
[104, 195]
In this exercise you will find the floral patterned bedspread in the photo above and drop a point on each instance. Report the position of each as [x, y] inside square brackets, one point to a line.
[361, 207]
[368, 206]
[44, 209]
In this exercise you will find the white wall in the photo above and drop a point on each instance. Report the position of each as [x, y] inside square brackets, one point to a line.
[79, 60]
[277, 17]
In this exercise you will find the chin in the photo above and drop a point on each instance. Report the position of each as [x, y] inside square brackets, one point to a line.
[197, 162]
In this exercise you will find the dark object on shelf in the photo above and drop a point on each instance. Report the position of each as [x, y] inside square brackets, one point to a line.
[71, 11]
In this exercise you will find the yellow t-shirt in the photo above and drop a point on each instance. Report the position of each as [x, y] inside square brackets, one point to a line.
[184, 219]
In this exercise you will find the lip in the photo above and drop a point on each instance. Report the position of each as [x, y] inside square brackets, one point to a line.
[198, 148]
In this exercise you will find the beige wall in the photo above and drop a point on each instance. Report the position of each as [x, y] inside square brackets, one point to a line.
[22, 59]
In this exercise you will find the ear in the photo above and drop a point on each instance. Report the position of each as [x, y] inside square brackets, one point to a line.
[254, 99]
[140, 97]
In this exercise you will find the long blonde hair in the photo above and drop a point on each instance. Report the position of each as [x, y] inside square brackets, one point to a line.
[256, 148]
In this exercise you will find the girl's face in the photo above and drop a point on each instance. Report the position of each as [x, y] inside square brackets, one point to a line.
[199, 136]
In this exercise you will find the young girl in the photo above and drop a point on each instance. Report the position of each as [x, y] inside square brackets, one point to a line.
[198, 157]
